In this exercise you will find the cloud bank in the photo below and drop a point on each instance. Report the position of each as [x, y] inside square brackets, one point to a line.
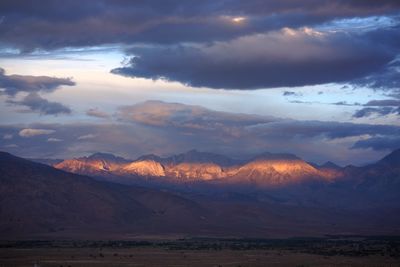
[59, 24]
[204, 44]
[285, 58]
[167, 128]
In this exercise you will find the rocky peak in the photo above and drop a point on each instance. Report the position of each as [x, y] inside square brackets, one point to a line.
[144, 168]
[330, 165]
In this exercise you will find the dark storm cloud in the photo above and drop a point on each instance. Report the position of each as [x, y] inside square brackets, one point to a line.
[56, 24]
[165, 28]
[379, 111]
[283, 58]
[378, 143]
[379, 108]
[387, 79]
[383, 103]
[13, 84]
[36, 103]
[366, 112]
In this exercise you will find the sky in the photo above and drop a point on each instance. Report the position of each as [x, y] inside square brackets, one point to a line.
[319, 79]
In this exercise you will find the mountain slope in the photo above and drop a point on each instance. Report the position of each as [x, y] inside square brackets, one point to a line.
[36, 198]
[38, 201]
[391, 160]
[276, 172]
[143, 168]
[382, 177]
[98, 164]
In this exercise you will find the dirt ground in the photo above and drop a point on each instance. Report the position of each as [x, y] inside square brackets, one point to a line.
[144, 256]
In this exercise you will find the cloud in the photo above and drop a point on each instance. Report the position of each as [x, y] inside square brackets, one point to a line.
[387, 78]
[344, 103]
[286, 129]
[167, 128]
[54, 140]
[76, 24]
[383, 103]
[36, 103]
[32, 85]
[11, 146]
[378, 143]
[199, 43]
[291, 93]
[371, 108]
[34, 132]
[13, 84]
[285, 58]
[187, 117]
[379, 108]
[86, 136]
[381, 111]
[7, 136]
[175, 115]
[237, 133]
[366, 112]
[95, 112]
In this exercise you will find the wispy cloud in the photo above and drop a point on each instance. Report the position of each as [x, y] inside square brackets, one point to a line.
[28, 132]
[96, 112]
[54, 140]
[86, 136]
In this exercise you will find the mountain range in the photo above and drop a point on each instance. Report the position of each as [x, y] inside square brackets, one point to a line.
[196, 194]
[284, 178]
[268, 169]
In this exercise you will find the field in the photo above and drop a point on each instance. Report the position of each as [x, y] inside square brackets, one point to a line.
[204, 252]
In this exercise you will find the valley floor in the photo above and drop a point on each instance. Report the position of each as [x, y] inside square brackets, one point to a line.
[202, 253]
[158, 257]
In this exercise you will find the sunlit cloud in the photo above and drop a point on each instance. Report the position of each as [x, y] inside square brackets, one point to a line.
[34, 132]
[238, 19]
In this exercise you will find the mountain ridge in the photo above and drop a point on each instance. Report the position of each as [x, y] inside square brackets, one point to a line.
[195, 165]
[39, 201]
[265, 172]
